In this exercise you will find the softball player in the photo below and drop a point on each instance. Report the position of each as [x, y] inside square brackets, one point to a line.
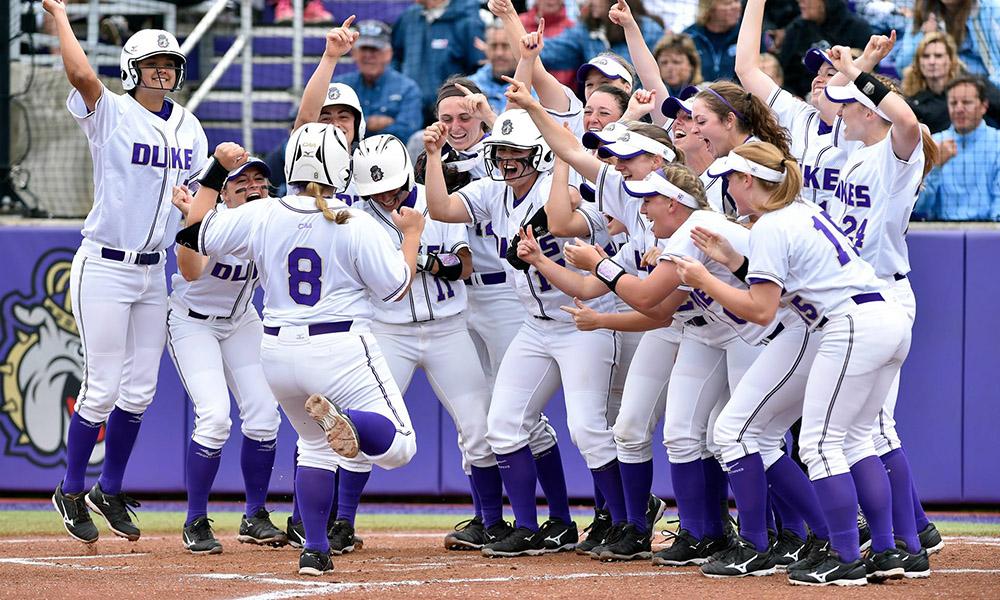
[798, 258]
[213, 337]
[140, 140]
[878, 188]
[320, 263]
[519, 160]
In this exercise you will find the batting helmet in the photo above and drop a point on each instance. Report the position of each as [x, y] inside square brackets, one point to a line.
[318, 153]
[515, 129]
[382, 164]
[145, 44]
[341, 94]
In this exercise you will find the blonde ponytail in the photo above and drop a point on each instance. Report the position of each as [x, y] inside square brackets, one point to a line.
[780, 194]
[316, 190]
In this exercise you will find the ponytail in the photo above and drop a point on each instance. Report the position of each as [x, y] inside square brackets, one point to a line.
[752, 115]
[931, 153]
[780, 194]
[688, 181]
[316, 190]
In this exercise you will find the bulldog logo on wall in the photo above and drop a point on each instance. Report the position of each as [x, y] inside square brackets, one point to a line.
[41, 365]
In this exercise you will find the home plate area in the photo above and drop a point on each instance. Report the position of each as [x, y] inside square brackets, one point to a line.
[415, 565]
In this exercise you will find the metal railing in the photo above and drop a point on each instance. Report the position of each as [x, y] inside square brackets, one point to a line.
[206, 21]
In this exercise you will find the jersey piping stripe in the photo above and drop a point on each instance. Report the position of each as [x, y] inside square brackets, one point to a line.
[173, 355]
[159, 202]
[247, 285]
[78, 313]
[773, 391]
[611, 378]
[766, 275]
[396, 292]
[833, 398]
[201, 231]
[601, 179]
[298, 210]
[381, 386]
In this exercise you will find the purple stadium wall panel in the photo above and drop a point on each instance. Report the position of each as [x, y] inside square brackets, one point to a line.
[947, 411]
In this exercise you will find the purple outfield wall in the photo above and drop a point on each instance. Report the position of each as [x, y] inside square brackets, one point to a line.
[948, 409]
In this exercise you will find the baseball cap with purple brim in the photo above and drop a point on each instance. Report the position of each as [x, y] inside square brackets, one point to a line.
[845, 94]
[683, 101]
[655, 184]
[252, 162]
[631, 144]
[608, 135]
[734, 163]
[815, 58]
[588, 192]
[609, 67]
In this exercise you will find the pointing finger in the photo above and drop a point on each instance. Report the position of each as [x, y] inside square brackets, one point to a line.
[348, 21]
[541, 27]
[463, 89]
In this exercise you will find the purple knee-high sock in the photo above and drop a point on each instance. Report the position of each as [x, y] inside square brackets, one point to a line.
[375, 431]
[689, 489]
[518, 472]
[746, 477]
[336, 498]
[296, 516]
[350, 484]
[772, 524]
[790, 486]
[256, 462]
[552, 478]
[637, 480]
[80, 442]
[903, 522]
[123, 428]
[488, 487]
[202, 465]
[609, 479]
[716, 496]
[918, 510]
[787, 516]
[477, 503]
[314, 489]
[875, 496]
[839, 500]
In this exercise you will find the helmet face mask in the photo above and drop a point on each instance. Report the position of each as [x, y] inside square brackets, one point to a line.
[342, 96]
[146, 44]
[502, 166]
[516, 149]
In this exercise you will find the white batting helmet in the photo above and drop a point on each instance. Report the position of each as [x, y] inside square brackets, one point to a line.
[382, 164]
[318, 153]
[514, 128]
[343, 94]
[144, 44]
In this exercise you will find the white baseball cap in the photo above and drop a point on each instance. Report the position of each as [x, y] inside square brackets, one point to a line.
[683, 101]
[845, 94]
[608, 66]
[631, 144]
[655, 184]
[733, 162]
[815, 58]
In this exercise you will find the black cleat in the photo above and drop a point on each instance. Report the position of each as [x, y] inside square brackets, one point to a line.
[259, 530]
[559, 536]
[814, 553]
[830, 571]
[199, 538]
[519, 542]
[654, 511]
[473, 535]
[884, 565]
[915, 565]
[115, 509]
[788, 548]
[597, 532]
[930, 539]
[341, 536]
[315, 563]
[739, 560]
[75, 516]
[631, 544]
[864, 532]
[683, 552]
[296, 533]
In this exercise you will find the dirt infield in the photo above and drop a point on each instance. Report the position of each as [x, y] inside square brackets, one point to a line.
[415, 565]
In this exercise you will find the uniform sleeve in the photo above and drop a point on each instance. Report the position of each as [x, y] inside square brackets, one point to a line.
[901, 173]
[609, 193]
[380, 264]
[572, 115]
[768, 253]
[230, 231]
[680, 243]
[478, 199]
[628, 257]
[595, 220]
[199, 158]
[792, 114]
[102, 122]
[456, 237]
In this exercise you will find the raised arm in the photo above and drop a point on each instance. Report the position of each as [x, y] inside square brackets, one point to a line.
[227, 156]
[78, 70]
[563, 220]
[642, 59]
[441, 205]
[753, 79]
[560, 139]
[190, 264]
[339, 41]
[550, 92]
[878, 47]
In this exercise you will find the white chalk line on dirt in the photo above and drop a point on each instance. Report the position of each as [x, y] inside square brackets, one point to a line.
[51, 561]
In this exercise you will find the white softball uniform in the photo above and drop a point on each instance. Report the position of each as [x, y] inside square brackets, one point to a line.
[319, 280]
[812, 144]
[118, 287]
[548, 343]
[864, 336]
[573, 115]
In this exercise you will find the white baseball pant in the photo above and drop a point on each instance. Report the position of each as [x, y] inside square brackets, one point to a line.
[886, 438]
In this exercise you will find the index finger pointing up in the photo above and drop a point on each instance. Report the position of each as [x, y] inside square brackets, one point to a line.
[348, 21]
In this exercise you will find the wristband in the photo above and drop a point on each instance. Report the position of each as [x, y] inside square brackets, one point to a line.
[188, 237]
[449, 266]
[609, 272]
[741, 272]
[871, 87]
[214, 175]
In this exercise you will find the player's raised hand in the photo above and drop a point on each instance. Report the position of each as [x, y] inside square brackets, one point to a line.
[476, 105]
[621, 15]
[54, 7]
[879, 46]
[584, 317]
[340, 40]
[641, 104]
[518, 94]
[582, 255]
[409, 221]
[527, 247]
[843, 61]
[501, 8]
[691, 271]
[435, 136]
[532, 43]
[716, 247]
[649, 259]
[230, 155]
[182, 199]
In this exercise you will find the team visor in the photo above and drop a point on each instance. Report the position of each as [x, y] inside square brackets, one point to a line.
[253, 162]
[631, 144]
[609, 67]
[655, 185]
[734, 163]
[683, 101]
[610, 134]
[846, 94]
